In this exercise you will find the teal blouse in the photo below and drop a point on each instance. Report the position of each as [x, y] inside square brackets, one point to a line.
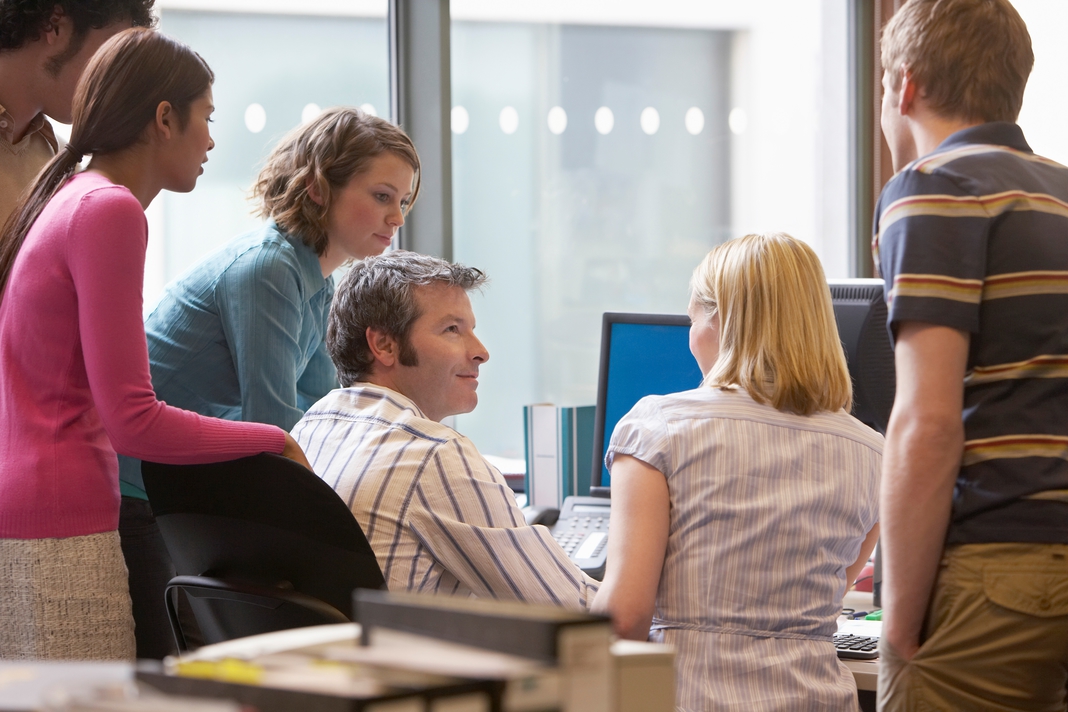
[241, 336]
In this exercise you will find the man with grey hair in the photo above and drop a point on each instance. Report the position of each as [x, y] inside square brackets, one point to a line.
[439, 517]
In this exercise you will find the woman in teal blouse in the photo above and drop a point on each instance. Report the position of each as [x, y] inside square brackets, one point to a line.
[240, 335]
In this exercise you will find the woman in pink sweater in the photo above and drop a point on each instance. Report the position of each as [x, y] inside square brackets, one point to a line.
[73, 361]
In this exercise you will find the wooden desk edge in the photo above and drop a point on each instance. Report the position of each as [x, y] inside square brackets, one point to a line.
[865, 672]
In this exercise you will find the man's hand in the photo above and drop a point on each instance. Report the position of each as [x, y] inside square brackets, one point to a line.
[924, 444]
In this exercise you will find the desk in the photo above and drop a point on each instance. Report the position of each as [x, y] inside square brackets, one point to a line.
[865, 672]
[26, 684]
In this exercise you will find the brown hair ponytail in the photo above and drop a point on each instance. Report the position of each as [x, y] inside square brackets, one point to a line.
[117, 96]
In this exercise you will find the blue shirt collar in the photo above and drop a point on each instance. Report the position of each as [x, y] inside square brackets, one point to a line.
[998, 133]
[310, 269]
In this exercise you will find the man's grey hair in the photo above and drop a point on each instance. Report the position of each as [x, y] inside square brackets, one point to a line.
[379, 293]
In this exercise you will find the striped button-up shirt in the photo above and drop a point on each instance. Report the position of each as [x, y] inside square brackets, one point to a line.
[767, 511]
[439, 517]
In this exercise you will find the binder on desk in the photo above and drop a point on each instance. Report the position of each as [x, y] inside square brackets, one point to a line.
[320, 668]
[286, 682]
[559, 453]
[575, 642]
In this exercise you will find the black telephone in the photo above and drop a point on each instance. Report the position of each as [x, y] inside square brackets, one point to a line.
[582, 530]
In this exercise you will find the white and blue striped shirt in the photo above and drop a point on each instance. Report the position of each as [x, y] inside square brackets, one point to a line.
[439, 518]
[767, 511]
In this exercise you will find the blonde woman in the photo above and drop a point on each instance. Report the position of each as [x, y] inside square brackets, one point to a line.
[741, 509]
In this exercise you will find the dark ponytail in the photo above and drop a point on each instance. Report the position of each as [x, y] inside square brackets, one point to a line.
[117, 96]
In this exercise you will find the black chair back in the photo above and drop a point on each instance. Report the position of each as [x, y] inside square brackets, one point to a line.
[256, 528]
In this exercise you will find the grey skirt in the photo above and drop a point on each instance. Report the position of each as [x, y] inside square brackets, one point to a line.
[65, 599]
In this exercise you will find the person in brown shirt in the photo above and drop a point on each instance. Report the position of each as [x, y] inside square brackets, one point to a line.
[44, 46]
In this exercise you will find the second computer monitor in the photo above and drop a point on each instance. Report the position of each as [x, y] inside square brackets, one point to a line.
[860, 310]
[641, 355]
[649, 354]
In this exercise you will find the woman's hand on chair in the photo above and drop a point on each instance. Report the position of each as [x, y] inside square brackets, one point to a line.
[293, 452]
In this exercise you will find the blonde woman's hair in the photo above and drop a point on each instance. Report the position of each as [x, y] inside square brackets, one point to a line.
[778, 336]
[969, 58]
[328, 151]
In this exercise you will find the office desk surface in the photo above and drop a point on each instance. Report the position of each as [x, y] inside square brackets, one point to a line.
[25, 685]
[865, 672]
[21, 684]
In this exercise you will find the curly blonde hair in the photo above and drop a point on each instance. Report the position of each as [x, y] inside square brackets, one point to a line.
[326, 152]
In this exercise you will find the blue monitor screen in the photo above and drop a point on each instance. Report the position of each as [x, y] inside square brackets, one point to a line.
[643, 359]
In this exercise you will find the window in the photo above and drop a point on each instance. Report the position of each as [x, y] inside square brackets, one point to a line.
[1045, 103]
[272, 71]
[600, 150]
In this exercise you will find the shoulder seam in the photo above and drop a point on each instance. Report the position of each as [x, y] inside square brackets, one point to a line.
[860, 439]
[377, 420]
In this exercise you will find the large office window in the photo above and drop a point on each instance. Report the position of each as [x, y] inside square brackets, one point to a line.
[601, 149]
[276, 65]
[1045, 102]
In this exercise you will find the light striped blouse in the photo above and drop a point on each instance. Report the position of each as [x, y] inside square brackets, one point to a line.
[767, 511]
[439, 517]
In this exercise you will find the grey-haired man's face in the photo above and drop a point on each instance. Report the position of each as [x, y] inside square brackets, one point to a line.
[448, 355]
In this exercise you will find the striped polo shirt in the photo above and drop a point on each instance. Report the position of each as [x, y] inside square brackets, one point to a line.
[974, 236]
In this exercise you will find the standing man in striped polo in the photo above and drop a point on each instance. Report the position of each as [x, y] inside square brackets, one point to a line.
[971, 236]
[439, 517]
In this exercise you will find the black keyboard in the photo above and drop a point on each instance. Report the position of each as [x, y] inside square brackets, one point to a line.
[860, 647]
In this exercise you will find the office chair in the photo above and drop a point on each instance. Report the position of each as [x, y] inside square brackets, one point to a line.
[259, 544]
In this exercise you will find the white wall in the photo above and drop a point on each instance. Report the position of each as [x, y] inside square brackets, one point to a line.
[1045, 107]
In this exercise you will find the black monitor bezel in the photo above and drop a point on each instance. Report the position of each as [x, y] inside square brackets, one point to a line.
[607, 320]
[871, 291]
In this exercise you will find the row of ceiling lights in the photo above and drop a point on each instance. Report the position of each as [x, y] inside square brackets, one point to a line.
[603, 119]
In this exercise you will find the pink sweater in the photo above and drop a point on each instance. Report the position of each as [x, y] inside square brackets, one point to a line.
[74, 379]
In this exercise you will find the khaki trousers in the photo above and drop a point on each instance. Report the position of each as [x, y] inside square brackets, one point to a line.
[996, 635]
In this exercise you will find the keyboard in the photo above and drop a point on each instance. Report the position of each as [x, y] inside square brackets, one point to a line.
[858, 647]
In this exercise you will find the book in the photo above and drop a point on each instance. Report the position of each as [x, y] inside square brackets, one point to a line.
[575, 642]
[313, 682]
[559, 453]
[527, 685]
[309, 668]
[541, 483]
[576, 450]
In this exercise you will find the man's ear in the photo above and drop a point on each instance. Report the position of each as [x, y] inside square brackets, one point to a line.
[384, 348]
[906, 95]
[59, 24]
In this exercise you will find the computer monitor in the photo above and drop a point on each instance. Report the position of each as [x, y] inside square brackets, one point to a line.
[641, 355]
[860, 310]
[649, 354]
